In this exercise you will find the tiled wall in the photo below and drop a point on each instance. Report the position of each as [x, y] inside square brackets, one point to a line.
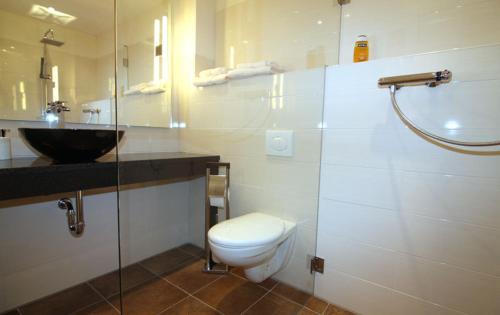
[407, 226]
[405, 27]
[231, 120]
[297, 34]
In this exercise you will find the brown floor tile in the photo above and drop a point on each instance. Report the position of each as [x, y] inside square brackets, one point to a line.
[132, 276]
[230, 294]
[306, 311]
[193, 250]
[274, 304]
[335, 310]
[317, 305]
[64, 302]
[190, 306]
[268, 284]
[291, 293]
[168, 262]
[191, 278]
[101, 308]
[149, 298]
[238, 271]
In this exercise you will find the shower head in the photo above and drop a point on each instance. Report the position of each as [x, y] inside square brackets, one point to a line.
[48, 38]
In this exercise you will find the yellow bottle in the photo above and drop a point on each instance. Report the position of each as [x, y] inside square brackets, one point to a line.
[361, 49]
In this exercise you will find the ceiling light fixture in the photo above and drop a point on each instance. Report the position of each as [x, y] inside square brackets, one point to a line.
[51, 14]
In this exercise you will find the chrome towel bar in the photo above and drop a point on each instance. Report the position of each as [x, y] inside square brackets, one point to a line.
[431, 79]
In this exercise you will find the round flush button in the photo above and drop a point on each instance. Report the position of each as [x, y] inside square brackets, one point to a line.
[279, 144]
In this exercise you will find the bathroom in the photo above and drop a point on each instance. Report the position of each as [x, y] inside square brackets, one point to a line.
[249, 157]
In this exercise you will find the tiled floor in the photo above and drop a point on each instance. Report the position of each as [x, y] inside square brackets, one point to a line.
[172, 283]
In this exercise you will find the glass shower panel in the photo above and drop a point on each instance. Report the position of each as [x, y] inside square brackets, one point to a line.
[56, 51]
[153, 204]
[173, 128]
[232, 118]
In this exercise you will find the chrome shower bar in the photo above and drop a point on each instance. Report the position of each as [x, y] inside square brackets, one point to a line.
[431, 79]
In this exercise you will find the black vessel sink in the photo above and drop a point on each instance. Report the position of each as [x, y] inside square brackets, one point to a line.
[71, 145]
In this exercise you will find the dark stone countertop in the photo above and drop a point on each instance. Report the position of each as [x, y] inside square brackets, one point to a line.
[29, 177]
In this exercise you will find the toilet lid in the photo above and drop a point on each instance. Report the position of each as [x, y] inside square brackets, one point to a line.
[252, 229]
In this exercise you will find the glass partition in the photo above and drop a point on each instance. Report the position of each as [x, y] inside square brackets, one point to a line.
[163, 218]
[58, 221]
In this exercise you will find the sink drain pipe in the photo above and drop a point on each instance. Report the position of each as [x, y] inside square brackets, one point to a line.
[76, 222]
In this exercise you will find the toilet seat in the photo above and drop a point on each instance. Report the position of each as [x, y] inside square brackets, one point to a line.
[250, 230]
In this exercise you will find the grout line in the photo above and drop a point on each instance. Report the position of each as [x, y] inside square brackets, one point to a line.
[103, 297]
[258, 300]
[18, 309]
[326, 308]
[85, 307]
[289, 300]
[190, 295]
[210, 306]
[203, 287]
[186, 252]
[173, 305]
[312, 311]
[259, 284]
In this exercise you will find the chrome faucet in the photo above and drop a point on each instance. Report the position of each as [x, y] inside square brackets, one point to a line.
[56, 109]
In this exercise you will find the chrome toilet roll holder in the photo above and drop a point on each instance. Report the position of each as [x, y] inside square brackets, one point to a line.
[216, 190]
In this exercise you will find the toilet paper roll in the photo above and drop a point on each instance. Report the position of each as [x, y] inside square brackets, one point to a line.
[217, 202]
[216, 185]
[5, 149]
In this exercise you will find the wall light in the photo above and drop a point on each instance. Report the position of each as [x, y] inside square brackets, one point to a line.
[22, 91]
[164, 48]
[156, 58]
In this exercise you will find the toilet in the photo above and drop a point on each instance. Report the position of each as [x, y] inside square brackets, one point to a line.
[259, 243]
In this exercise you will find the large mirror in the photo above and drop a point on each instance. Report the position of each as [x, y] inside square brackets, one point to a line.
[64, 51]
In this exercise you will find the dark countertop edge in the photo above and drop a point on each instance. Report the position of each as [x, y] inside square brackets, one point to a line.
[42, 163]
[46, 179]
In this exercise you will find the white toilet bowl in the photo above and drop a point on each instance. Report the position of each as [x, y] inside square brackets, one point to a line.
[260, 243]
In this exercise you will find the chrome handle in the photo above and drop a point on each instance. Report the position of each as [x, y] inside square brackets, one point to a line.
[430, 79]
[91, 111]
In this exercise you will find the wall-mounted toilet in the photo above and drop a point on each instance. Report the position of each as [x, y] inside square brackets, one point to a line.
[259, 243]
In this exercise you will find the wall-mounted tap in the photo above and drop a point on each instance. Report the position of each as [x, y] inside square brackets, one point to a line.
[57, 107]
[55, 112]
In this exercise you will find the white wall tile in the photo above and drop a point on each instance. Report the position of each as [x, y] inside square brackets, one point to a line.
[397, 202]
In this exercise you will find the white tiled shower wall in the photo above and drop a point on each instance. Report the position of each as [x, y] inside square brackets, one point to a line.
[407, 226]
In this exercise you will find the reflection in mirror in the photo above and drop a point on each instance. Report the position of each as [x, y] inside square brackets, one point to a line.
[143, 67]
[57, 63]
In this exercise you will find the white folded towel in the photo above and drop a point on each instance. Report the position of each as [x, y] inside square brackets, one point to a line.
[258, 64]
[152, 87]
[212, 72]
[136, 89]
[250, 72]
[213, 80]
